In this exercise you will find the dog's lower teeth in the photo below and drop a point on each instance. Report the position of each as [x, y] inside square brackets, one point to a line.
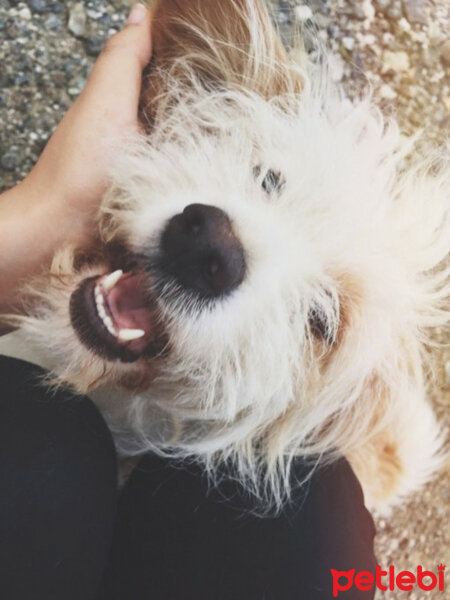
[127, 335]
[108, 322]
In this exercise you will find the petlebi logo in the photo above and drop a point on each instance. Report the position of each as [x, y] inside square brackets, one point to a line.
[388, 580]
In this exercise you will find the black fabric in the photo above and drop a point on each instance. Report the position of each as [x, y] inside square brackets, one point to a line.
[57, 490]
[174, 537]
[178, 539]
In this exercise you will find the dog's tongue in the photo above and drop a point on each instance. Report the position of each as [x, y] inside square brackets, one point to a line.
[129, 303]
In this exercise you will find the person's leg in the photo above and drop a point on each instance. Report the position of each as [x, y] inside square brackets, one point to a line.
[176, 540]
[57, 489]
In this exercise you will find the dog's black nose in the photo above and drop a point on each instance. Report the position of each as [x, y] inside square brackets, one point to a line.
[201, 251]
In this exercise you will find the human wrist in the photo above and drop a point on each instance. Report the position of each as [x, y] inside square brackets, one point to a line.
[35, 221]
[58, 217]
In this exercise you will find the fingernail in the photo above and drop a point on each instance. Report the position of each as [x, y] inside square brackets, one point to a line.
[137, 14]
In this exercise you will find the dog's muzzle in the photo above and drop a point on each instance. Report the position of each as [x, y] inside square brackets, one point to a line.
[202, 253]
[117, 315]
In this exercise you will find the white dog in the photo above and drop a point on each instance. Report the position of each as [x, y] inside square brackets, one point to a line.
[269, 272]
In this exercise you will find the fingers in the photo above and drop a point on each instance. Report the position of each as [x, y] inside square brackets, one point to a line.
[116, 77]
[135, 38]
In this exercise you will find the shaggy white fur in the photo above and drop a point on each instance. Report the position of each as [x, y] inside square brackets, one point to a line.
[354, 239]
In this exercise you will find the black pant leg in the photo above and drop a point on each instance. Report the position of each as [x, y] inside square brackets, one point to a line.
[57, 489]
[176, 541]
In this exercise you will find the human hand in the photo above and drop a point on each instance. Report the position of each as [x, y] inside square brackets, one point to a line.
[57, 202]
[72, 172]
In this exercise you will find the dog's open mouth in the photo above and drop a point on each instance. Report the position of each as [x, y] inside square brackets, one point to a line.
[116, 315]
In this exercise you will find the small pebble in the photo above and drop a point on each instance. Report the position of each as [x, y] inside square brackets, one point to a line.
[387, 92]
[348, 42]
[395, 61]
[363, 10]
[303, 13]
[368, 10]
[93, 45]
[25, 13]
[53, 22]
[404, 24]
[77, 20]
[39, 6]
[416, 11]
[21, 79]
[10, 160]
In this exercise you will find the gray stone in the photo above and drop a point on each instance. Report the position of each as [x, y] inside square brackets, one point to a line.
[39, 6]
[76, 85]
[21, 79]
[59, 78]
[106, 21]
[10, 160]
[53, 22]
[362, 10]
[93, 45]
[77, 20]
[25, 13]
[416, 11]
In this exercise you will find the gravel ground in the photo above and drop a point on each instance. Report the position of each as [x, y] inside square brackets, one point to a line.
[400, 47]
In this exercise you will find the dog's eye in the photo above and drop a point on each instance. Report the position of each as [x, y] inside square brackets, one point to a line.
[320, 326]
[272, 182]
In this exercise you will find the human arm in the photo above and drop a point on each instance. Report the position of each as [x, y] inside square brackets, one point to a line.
[57, 202]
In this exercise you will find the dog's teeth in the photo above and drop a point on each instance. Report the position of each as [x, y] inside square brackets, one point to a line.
[101, 311]
[108, 322]
[110, 280]
[127, 335]
[99, 298]
[112, 331]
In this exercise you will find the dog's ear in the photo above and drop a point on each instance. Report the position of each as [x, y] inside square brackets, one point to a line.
[229, 44]
[402, 445]
[388, 431]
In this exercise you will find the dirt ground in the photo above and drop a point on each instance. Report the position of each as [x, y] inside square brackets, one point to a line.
[400, 47]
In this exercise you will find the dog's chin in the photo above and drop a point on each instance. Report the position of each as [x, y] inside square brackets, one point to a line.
[116, 316]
